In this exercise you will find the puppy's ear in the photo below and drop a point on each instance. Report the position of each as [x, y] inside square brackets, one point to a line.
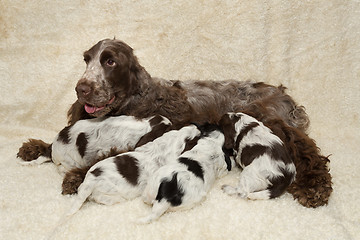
[228, 128]
[227, 154]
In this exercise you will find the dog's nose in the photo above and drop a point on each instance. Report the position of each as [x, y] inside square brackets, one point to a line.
[83, 89]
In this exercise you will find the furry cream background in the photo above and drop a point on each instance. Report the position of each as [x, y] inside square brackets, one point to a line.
[312, 47]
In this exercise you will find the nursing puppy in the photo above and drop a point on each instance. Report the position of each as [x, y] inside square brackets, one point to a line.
[125, 176]
[184, 183]
[83, 143]
[267, 167]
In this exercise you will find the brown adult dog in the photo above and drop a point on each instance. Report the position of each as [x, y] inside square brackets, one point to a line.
[114, 83]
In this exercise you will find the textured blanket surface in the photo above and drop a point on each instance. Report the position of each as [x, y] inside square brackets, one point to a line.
[311, 47]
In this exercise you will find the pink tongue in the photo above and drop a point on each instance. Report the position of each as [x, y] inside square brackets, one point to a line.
[91, 109]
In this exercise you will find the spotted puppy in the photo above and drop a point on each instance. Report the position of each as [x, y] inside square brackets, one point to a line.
[125, 176]
[82, 143]
[185, 182]
[267, 167]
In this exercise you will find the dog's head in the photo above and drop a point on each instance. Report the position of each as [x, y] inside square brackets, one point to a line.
[110, 77]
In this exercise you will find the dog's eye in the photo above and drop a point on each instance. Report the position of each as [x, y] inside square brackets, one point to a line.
[86, 59]
[110, 62]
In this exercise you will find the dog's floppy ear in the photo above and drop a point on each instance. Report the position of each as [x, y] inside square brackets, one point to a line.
[137, 71]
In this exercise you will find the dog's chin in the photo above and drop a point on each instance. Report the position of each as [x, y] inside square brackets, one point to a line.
[101, 111]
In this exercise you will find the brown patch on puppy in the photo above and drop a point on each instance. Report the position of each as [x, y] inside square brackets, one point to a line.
[81, 143]
[76, 176]
[128, 168]
[33, 149]
[190, 144]
[278, 152]
[64, 136]
[249, 153]
[155, 120]
[97, 172]
[244, 132]
[158, 129]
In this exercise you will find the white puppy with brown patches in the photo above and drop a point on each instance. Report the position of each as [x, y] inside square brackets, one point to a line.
[267, 167]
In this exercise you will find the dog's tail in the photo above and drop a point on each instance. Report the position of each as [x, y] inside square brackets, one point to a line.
[34, 149]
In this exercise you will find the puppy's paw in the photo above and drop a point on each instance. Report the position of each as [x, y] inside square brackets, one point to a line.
[229, 190]
[233, 191]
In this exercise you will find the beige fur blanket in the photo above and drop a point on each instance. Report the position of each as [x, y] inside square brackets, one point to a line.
[312, 47]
